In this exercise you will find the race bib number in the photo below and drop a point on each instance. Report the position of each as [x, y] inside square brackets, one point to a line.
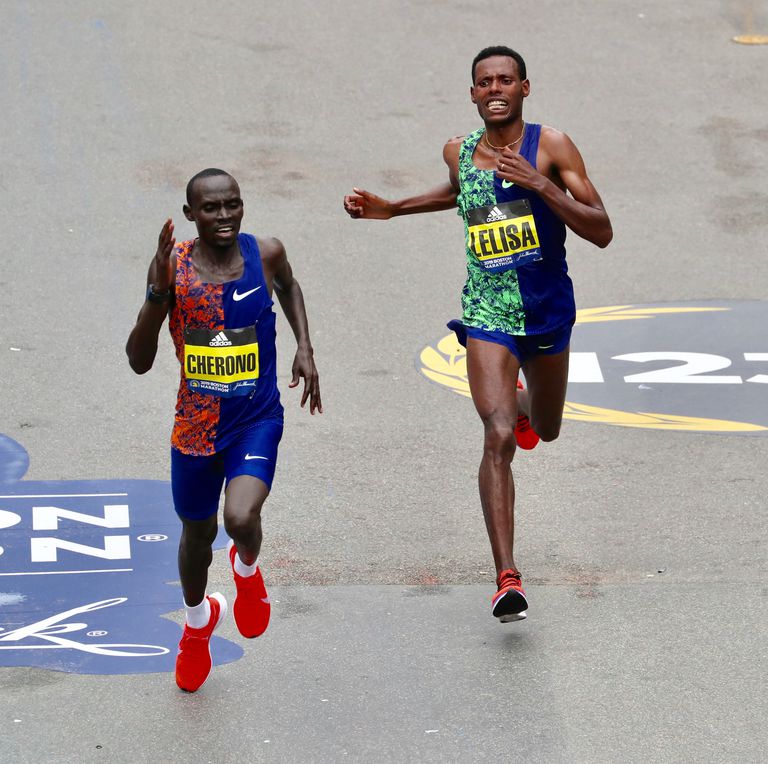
[223, 363]
[503, 236]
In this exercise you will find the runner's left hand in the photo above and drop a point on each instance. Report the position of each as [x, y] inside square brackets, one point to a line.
[517, 169]
[304, 366]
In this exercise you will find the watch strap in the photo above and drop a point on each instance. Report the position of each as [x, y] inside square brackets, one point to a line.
[153, 296]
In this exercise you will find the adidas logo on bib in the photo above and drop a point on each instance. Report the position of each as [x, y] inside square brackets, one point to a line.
[219, 341]
[495, 214]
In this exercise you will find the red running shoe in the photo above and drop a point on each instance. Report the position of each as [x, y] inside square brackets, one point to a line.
[193, 663]
[509, 602]
[251, 607]
[524, 435]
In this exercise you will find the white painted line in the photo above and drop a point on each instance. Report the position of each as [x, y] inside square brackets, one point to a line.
[68, 572]
[57, 495]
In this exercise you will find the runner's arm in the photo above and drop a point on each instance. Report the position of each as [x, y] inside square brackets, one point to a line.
[141, 347]
[291, 300]
[583, 211]
[365, 205]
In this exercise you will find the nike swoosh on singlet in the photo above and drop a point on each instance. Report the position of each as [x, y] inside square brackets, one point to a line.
[237, 297]
[507, 184]
[248, 456]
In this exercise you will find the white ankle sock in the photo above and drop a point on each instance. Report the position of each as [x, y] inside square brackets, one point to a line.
[242, 569]
[199, 615]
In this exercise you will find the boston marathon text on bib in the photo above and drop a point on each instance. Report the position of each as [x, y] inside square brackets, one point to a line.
[223, 363]
[503, 236]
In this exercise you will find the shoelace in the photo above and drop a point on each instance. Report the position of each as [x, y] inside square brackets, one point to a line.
[509, 578]
[523, 423]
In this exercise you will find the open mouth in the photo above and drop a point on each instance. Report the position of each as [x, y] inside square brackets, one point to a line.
[496, 104]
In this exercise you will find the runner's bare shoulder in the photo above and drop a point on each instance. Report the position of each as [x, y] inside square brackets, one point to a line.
[451, 149]
[552, 138]
[273, 257]
[453, 145]
[270, 248]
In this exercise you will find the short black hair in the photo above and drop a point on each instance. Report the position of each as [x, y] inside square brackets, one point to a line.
[207, 173]
[500, 50]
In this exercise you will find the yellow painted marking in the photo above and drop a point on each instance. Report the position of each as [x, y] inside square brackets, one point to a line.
[447, 365]
[582, 413]
[630, 313]
[751, 39]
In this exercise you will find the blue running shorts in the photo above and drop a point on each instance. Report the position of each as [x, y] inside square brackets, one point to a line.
[523, 346]
[196, 481]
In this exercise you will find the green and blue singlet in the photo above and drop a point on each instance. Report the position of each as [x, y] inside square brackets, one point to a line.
[517, 277]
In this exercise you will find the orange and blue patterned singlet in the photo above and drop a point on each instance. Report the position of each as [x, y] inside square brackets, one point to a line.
[224, 336]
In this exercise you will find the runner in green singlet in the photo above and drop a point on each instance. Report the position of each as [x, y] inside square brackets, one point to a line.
[517, 186]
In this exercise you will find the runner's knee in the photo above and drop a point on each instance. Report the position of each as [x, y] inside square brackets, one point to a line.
[242, 520]
[199, 533]
[500, 440]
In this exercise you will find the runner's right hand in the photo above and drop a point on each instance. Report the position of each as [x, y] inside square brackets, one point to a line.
[365, 205]
[162, 263]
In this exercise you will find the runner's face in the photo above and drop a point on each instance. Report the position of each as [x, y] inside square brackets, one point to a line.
[498, 90]
[216, 209]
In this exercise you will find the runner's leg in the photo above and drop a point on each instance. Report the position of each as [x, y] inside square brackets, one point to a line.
[193, 661]
[492, 371]
[195, 555]
[244, 497]
[547, 378]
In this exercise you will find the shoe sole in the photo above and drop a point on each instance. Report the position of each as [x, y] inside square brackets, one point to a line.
[219, 597]
[511, 606]
[509, 618]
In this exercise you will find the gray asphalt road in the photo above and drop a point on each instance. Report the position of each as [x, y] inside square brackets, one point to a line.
[643, 549]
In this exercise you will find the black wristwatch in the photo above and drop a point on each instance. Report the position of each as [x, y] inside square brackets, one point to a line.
[153, 296]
